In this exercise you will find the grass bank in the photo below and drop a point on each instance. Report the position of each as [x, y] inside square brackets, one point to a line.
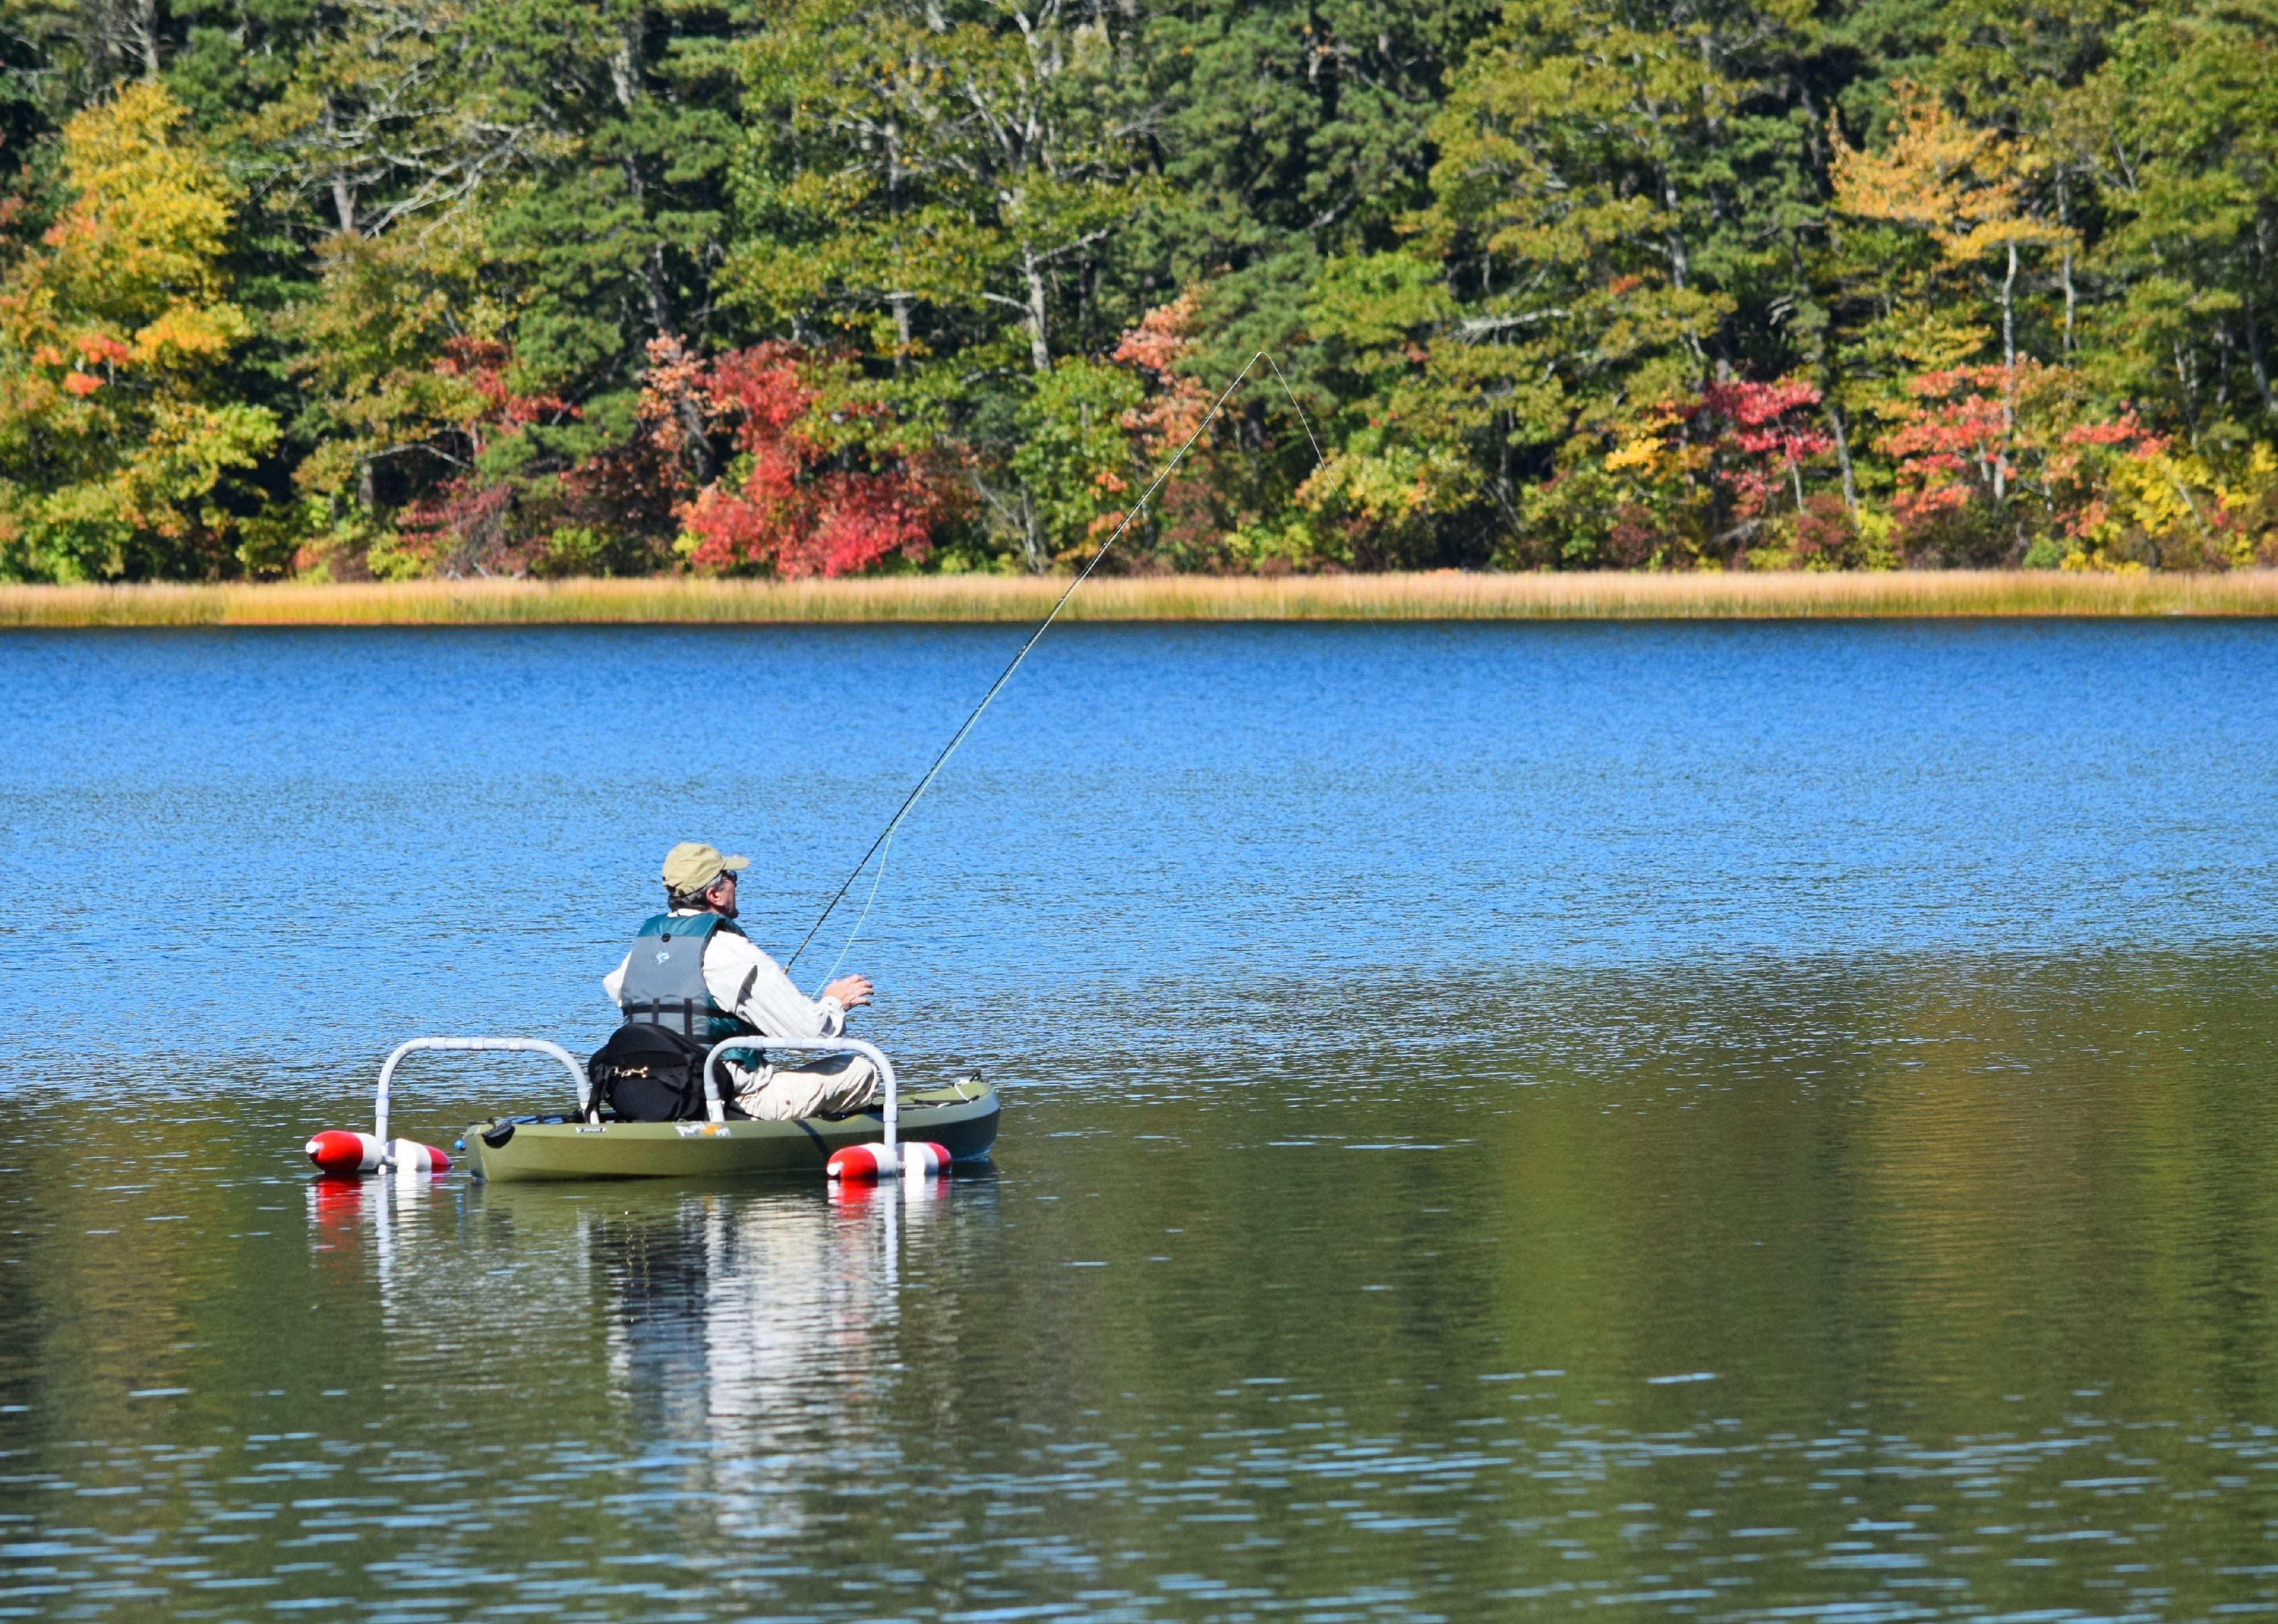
[1440, 596]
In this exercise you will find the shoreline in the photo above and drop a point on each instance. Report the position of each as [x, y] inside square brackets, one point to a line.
[947, 599]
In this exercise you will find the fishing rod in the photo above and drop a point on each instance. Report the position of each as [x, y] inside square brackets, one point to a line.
[1131, 514]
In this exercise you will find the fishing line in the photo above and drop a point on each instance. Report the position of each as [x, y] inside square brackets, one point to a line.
[1130, 516]
[885, 856]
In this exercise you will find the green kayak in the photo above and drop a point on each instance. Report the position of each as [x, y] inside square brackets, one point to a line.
[961, 1118]
[589, 1141]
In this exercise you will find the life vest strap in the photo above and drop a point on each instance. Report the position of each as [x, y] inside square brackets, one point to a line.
[689, 1014]
[660, 1013]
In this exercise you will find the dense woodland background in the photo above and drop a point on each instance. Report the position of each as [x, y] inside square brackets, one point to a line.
[396, 288]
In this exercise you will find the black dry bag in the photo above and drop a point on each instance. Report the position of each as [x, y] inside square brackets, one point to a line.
[650, 1074]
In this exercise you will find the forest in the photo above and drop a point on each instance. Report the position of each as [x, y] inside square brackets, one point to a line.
[352, 289]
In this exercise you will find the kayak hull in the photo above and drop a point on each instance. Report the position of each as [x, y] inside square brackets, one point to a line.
[574, 1150]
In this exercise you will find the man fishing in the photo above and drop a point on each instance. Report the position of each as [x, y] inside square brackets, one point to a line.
[693, 968]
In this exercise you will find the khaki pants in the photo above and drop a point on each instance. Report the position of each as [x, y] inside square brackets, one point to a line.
[840, 1084]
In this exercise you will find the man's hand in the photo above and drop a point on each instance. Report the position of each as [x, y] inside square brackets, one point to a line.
[851, 992]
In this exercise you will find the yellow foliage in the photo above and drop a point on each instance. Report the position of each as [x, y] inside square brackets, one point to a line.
[1390, 483]
[150, 216]
[2247, 502]
[384, 314]
[115, 436]
[2083, 562]
[2172, 506]
[1641, 455]
[1962, 186]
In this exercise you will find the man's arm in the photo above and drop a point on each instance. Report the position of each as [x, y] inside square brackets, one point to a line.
[613, 982]
[740, 978]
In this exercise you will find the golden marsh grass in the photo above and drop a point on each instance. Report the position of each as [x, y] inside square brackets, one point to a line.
[1446, 595]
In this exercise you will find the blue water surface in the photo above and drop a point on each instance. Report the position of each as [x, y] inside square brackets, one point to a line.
[1729, 1122]
[271, 841]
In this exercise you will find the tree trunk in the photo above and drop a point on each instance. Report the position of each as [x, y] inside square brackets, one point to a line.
[343, 193]
[1040, 355]
[2254, 356]
[699, 443]
[2008, 377]
[659, 289]
[624, 74]
[2009, 310]
[1029, 544]
[1679, 263]
[2072, 299]
[2064, 220]
[146, 35]
[1843, 457]
[899, 302]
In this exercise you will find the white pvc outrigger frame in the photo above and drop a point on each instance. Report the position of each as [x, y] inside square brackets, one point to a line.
[536, 1045]
[714, 1107]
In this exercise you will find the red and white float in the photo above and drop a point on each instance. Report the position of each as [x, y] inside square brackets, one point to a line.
[866, 1163]
[342, 1154]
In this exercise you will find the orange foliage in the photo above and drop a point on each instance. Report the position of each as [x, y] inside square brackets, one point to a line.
[1175, 404]
[804, 505]
[1175, 407]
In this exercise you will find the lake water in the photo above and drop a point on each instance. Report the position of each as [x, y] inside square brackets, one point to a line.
[1714, 1122]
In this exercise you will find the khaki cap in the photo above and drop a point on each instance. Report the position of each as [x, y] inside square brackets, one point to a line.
[692, 865]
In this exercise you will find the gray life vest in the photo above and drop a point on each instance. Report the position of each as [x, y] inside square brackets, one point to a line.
[664, 978]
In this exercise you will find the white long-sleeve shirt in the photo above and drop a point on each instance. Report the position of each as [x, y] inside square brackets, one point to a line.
[747, 982]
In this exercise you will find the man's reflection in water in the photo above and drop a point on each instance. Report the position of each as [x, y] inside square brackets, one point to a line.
[753, 1338]
[760, 1328]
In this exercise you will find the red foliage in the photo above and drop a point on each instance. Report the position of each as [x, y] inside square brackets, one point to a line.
[804, 506]
[817, 492]
[101, 349]
[1186, 513]
[673, 400]
[633, 490]
[463, 523]
[2078, 473]
[483, 364]
[1760, 435]
[1638, 532]
[1825, 529]
[2126, 431]
[1176, 403]
[1959, 441]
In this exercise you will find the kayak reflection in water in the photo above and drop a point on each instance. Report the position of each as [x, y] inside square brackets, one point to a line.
[750, 1341]
[692, 969]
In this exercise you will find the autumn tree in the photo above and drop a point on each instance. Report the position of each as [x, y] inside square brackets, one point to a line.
[2183, 123]
[122, 431]
[1964, 187]
[819, 486]
[1551, 283]
[1578, 263]
[939, 185]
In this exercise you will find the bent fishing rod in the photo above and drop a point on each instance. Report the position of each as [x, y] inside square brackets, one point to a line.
[1130, 517]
